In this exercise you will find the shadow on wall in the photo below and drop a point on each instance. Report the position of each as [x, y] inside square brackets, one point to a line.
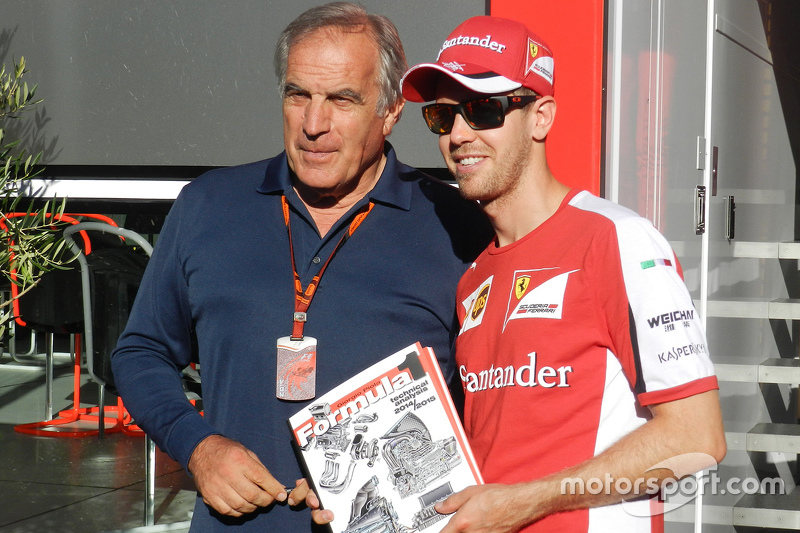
[30, 131]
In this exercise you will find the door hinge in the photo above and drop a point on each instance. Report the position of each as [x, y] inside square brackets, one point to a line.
[701, 153]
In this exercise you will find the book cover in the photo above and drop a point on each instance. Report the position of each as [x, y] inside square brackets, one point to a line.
[383, 447]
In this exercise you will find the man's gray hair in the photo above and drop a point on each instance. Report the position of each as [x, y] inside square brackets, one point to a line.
[350, 18]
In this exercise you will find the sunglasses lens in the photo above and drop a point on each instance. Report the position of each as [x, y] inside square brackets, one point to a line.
[480, 114]
[485, 113]
[439, 117]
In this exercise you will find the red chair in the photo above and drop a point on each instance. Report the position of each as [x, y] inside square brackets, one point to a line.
[65, 316]
[109, 281]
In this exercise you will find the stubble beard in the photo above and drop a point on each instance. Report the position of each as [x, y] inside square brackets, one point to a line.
[501, 181]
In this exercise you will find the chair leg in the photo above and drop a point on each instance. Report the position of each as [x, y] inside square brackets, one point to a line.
[48, 378]
[12, 344]
[150, 481]
[101, 411]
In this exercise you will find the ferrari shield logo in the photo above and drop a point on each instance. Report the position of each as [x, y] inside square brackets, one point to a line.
[530, 61]
[521, 285]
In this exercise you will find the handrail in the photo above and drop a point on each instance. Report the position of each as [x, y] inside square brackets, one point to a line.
[87, 301]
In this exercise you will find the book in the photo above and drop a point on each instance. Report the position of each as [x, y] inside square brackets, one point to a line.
[384, 446]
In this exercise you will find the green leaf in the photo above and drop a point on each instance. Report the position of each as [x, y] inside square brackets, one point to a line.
[31, 244]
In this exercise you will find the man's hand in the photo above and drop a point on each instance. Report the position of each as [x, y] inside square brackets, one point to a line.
[231, 479]
[303, 493]
[691, 425]
[486, 509]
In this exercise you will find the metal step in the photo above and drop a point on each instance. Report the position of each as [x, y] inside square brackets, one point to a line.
[779, 370]
[766, 250]
[742, 249]
[780, 308]
[736, 372]
[789, 250]
[772, 437]
[786, 371]
[779, 511]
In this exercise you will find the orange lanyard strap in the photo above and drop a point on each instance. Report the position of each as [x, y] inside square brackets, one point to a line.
[302, 298]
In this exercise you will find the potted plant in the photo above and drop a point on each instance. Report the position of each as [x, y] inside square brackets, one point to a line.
[30, 243]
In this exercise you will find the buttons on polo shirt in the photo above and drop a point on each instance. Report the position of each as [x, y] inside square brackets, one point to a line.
[316, 260]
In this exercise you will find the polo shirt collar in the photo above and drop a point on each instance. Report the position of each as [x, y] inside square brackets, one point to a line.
[391, 188]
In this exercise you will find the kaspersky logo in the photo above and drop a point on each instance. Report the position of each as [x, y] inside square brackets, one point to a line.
[545, 300]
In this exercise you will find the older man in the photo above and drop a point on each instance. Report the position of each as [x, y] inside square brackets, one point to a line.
[582, 359]
[294, 273]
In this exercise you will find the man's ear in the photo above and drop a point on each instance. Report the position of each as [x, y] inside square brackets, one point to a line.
[393, 116]
[544, 112]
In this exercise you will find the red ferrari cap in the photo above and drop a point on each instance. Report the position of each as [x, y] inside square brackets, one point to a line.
[489, 55]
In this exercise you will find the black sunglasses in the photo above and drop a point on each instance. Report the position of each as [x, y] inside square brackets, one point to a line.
[481, 113]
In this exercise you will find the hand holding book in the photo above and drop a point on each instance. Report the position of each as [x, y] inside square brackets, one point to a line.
[381, 449]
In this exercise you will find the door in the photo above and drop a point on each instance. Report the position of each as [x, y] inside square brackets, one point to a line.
[700, 96]
[655, 115]
[751, 320]
[656, 152]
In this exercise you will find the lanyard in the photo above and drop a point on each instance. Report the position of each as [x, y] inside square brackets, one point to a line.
[302, 298]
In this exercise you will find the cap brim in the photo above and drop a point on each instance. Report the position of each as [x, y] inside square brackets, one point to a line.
[420, 82]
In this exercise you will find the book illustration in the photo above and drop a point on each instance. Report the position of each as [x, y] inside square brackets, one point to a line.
[427, 515]
[337, 439]
[414, 458]
[372, 513]
[384, 447]
[331, 474]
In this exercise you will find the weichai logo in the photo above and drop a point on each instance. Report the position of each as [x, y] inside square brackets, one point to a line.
[670, 318]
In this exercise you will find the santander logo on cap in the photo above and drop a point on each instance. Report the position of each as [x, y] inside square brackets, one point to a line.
[485, 42]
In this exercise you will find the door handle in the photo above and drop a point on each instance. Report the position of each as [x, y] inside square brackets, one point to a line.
[730, 217]
[700, 209]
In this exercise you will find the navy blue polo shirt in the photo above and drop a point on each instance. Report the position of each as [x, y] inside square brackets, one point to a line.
[221, 270]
